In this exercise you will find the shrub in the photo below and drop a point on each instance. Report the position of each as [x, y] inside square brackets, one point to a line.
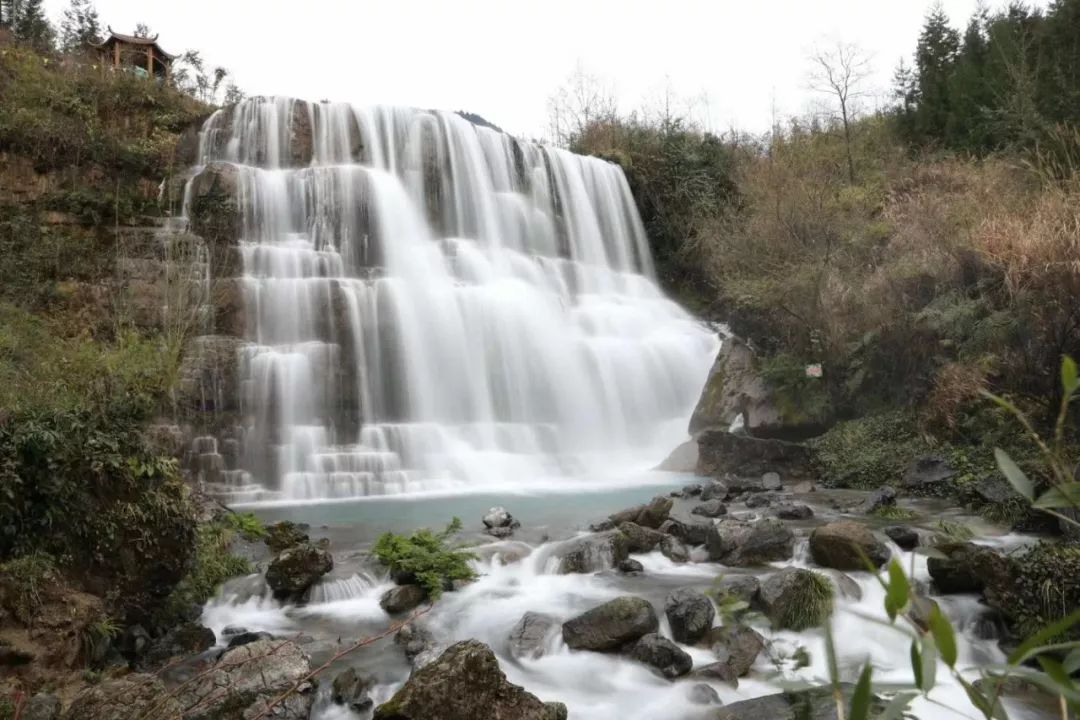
[213, 564]
[868, 452]
[426, 555]
[810, 605]
[1047, 589]
[249, 526]
[22, 582]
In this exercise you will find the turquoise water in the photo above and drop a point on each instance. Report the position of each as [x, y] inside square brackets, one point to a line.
[363, 519]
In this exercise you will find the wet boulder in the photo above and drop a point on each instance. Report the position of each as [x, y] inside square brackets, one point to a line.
[760, 500]
[968, 568]
[640, 539]
[847, 545]
[742, 544]
[246, 637]
[743, 588]
[352, 689]
[883, 497]
[402, 599]
[132, 696]
[296, 569]
[529, 636]
[796, 599]
[736, 647]
[499, 523]
[928, 475]
[793, 511]
[183, 640]
[691, 533]
[674, 550]
[690, 615]
[703, 694]
[631, 567]
[905, 537]
[812, 704]
[594, 552]
[284, 535]
[464, 683]
[710, 509]
[772, 481]
[669, 659]
[248, 678]
[650, 515]
[608, 627]
[714, 490]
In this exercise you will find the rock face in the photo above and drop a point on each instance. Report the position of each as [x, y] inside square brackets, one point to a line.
[464, 683]
[133, 696]
[402, 599]
[215, 214]
[612, 625]
[651, 515]
[296, 569]
[735, 389]
[967, 567]
[796, 599]
[594, 552]
[842, 546]
[722, 452]
[928, 475]
[528, 638]
[247, 678]
[736, 648]
[741, 544]
[669, 659]
[42, 706]
[690, 615]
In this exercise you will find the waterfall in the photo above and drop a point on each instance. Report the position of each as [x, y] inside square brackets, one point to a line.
[435, 305]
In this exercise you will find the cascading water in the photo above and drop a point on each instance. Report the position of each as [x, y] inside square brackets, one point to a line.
[432, 304]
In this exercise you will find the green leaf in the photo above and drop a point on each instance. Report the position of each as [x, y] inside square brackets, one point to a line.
[916, 663]
[1031, 645]
[929, 664]
[1069, 381]
[1014, 474]
[1056, 672]
[1072, 661]
[896, 595]
[896, 707]
[1063, 496]
[860, 699]
[943, 635]
[830, 656]
[982, 702]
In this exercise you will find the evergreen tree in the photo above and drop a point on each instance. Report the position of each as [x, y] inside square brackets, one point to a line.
[970, 127]
[8, 11]
[31, 26]
[80, 27]
[935, 57]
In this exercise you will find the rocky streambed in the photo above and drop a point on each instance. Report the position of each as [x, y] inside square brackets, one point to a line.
[703, 601]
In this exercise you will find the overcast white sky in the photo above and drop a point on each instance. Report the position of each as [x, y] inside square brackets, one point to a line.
[504, 58]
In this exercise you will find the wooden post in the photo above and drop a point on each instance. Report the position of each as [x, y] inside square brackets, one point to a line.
[150, 60]
[116, 54]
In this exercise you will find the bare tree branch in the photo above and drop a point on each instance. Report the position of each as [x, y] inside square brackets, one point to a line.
[841, 71]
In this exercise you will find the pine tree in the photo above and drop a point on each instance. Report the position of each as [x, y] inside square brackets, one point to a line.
[80, 27]
[31, 26]
[8, 11]
[972, 102]
[934, 60]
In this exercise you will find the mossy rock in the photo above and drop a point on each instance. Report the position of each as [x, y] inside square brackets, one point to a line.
[796, 599]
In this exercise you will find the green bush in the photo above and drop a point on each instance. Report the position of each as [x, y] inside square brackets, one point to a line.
[250, 527]
[868, 452]
[426, 555]
[213, 564]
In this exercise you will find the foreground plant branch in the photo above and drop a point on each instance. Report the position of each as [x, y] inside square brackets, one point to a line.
[363, 642]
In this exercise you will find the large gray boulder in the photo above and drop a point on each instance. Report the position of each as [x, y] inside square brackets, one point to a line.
[690, 615]
[847, 545]
[710, 509]
[928, 475]
[297, 568]
[611, 626]
[741, 544]
[969, 568]
[402, 599]
[594, 552]
[246, 679]
[464, 683]
[721, 453]
[640, 539]
[691, 533]
[736, 648]
[132, 696]
[669, 659]
[796, 599]
[743, 588]
[651, 515]
[529, 636]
